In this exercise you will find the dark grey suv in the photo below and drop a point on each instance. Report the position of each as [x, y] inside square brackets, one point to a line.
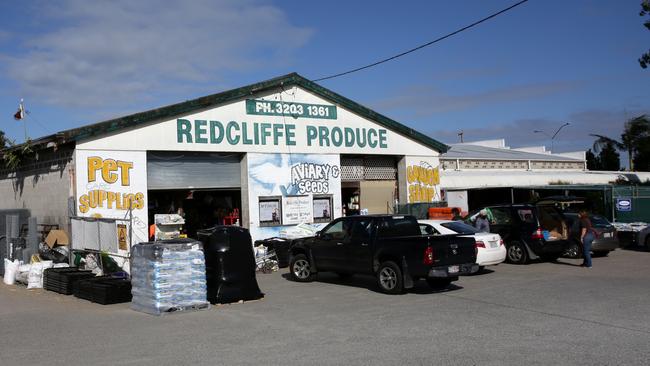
[606, 241]
[530, 231]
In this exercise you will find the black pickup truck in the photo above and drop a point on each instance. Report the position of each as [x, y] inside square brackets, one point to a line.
[391, 248]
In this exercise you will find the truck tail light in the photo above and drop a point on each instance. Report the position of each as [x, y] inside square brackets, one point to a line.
[479, 244]
[429, 255]
[538, 234]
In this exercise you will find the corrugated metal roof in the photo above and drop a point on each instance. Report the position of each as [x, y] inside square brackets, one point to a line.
[467, 151]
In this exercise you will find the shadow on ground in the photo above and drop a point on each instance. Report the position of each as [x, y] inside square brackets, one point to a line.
[369, 283]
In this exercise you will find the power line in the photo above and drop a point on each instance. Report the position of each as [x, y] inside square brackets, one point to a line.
[424, 45]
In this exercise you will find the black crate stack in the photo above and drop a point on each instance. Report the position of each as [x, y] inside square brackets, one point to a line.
[103, 290]
[229, 265]
[62, 280]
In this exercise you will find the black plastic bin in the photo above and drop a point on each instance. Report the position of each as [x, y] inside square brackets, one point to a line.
[229, 265]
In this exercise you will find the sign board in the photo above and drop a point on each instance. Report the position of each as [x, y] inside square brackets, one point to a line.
[290, 121]
[323, 208]
[289, 109]
[122, 236]
[297, 209]
[423, 179]
[270, 211]
[109, 184]
[623, 204]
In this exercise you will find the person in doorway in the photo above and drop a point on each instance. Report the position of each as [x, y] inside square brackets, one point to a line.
[587, 236]
[482, 223]
[455, 213]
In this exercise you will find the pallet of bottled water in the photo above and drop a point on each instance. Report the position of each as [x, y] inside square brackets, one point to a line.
[168, 277]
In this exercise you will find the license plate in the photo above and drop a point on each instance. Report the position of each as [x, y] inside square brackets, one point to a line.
[454, 269]
[494, 244]
[607, 235]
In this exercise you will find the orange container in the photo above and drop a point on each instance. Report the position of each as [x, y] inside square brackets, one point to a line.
[441, 213]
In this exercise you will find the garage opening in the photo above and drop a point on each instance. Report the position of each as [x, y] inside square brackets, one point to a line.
[368, 184]
[204, 188]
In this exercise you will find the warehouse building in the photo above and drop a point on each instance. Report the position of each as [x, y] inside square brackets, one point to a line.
[266, 156]
[480, 173]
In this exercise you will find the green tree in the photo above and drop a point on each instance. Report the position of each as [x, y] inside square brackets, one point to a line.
[3, 140]
[609, 158]
[634, 140]
[593, 163]
[644, 61]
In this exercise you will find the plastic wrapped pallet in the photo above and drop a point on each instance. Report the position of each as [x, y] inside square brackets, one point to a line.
[168, 276]
[230, 264]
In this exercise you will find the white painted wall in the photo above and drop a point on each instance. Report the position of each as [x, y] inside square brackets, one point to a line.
[458, 199]
[128, 181]
[486, 179]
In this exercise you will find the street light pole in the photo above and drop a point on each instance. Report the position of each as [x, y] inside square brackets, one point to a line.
[555, 134]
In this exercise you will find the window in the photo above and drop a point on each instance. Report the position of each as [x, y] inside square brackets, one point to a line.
[526, 215]
[398, 226]
[360, 231]
[459, 227]
[337, 230]
[427, 229]
[499, 215]
[496, 216]
[270, 211]
[323, 208]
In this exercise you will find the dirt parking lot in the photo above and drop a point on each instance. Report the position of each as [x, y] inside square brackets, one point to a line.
[542, 313]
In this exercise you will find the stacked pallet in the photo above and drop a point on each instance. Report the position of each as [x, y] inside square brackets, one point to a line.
[168, 276]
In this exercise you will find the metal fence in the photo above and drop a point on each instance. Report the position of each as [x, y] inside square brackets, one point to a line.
[100, 234]
[639, 207]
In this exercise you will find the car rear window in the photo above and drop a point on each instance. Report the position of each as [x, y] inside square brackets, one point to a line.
[398, 226]
[459, 227]
[599, 221]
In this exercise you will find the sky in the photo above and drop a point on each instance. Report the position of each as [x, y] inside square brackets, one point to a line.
[536, 67]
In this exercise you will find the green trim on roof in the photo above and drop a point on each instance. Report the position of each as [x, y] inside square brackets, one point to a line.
[114, 125]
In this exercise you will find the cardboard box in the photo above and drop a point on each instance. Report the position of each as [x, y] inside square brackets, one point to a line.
[57, 237]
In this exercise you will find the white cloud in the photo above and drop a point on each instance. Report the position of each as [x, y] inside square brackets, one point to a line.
[574, 137]
[103, 53]
[427, 100]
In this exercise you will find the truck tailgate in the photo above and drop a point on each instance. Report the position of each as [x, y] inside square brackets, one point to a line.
[453, 249]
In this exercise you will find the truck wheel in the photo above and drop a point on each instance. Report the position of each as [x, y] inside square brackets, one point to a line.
[389, 278]
[574, 251]
[301, 268]
[517, 253]
[439, 283]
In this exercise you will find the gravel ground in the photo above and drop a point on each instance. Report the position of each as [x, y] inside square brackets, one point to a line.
[542, 313]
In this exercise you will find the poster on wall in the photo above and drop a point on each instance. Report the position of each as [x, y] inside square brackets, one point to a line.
[297, 210]
[270, 211]
[297, 178]
[423, 179]
[322, 208]
[113, 184]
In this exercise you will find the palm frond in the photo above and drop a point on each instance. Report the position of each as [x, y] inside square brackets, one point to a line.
[602, 141]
